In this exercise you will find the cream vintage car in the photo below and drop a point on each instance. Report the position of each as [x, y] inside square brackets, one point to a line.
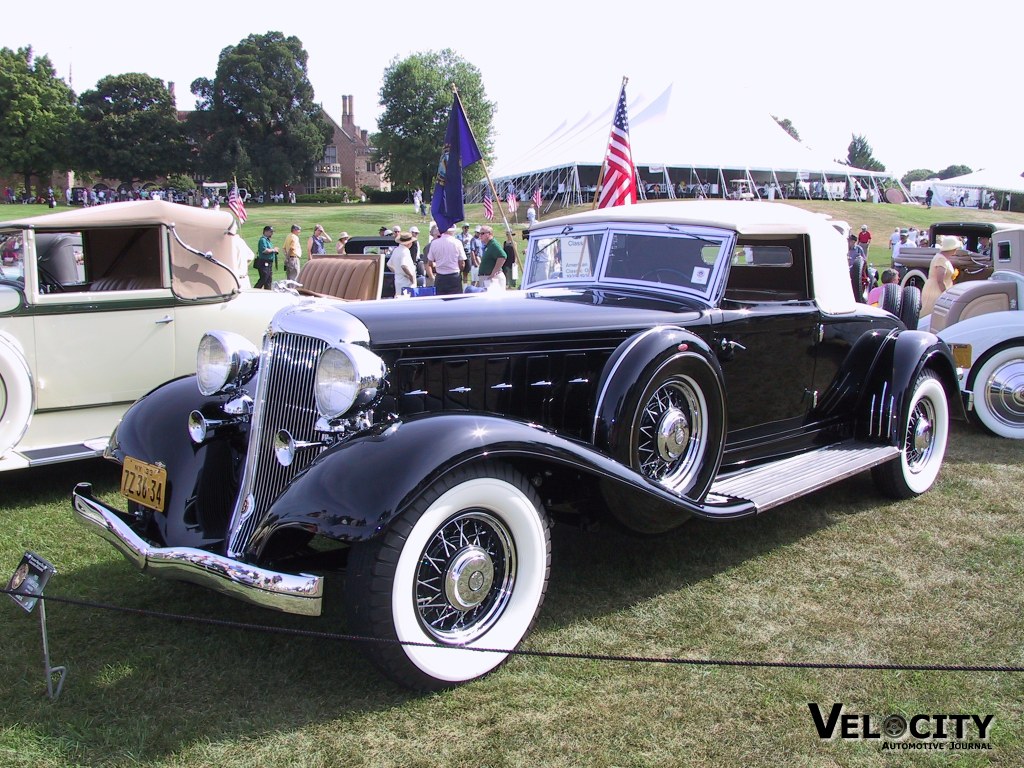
[100, 305]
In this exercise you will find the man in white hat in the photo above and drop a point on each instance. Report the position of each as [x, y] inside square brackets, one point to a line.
[940, 273]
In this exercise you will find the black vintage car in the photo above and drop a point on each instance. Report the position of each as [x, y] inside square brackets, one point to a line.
[663, 361]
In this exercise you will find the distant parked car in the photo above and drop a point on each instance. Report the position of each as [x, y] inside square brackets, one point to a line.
[983, 323]
[99, 305]
[912, 263]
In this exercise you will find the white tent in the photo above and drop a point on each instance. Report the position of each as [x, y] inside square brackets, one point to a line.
[976, 188]
[679, 143]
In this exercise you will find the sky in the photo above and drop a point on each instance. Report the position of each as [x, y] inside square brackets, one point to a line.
[928, 84]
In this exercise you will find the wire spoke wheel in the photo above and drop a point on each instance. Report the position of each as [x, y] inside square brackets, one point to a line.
[672, 432]
[466, 574]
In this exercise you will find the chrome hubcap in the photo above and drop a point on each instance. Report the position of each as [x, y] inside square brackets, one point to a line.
[920, 435]
[673, 434]
[469, 578]
[1004, 393]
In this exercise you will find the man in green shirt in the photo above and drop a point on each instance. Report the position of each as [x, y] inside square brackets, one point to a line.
[264, 261]
[491, 276]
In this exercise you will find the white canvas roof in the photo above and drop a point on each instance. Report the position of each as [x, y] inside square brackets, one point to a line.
[1000, 179]
[676, 131]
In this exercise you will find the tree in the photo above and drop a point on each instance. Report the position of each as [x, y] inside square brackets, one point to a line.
[417, 98]
[130, 129]
[787, 125]
[953, 170]
[37, 112]
[859, 155]
[918, 174]
[257, 120]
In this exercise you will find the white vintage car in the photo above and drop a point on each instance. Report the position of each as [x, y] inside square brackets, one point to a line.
[100, 305]
[983, 324]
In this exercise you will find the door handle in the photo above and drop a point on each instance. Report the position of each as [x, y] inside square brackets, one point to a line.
[165, 320]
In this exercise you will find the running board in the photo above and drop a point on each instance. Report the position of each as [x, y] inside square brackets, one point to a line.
[38, 457]
[769, 485]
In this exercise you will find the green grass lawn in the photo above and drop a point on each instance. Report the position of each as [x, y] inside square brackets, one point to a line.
[843, 575]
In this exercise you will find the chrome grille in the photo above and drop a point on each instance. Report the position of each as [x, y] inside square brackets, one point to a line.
[284, 400]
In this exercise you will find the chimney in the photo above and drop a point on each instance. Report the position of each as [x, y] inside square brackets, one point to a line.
[170, 90]
[365, 136]
[344, 106]
[352, 107]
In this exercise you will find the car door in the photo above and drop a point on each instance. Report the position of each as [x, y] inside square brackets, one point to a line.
[766, 338]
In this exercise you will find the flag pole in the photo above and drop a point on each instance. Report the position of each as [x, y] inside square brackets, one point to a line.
[604, 160]
[487, 173]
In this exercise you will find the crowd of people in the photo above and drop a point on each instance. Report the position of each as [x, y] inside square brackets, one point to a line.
[447, 263]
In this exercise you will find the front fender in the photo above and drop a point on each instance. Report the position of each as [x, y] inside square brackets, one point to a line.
[155, 430]
[353, 491]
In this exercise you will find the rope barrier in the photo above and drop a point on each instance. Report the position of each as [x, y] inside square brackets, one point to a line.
[335, 636]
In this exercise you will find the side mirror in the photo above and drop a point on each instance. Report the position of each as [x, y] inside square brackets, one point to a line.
[10, 298]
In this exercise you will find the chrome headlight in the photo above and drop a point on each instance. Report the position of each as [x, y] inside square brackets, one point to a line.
[225, 362]
[346, 376]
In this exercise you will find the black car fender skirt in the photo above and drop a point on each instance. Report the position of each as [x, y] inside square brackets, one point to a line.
[353, 491]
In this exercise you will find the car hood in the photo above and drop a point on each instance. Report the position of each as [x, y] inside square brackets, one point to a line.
[512, 314]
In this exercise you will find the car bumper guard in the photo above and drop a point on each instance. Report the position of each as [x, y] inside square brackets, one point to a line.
[291, 593]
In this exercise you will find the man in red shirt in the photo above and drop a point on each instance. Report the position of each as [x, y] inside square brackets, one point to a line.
[864, 238]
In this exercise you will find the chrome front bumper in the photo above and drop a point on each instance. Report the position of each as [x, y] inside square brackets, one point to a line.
[301, 594]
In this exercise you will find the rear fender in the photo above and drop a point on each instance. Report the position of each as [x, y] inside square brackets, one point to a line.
[353, 491]
[886, 398]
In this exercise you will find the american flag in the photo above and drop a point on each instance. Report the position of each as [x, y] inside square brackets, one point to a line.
[513, 204]
[236, 204]
[538, 198]
[619, 185]
[488, 206]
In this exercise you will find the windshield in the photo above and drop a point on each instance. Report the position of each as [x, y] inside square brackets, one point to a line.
[669, 258]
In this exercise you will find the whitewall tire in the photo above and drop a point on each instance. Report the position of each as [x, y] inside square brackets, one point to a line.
[465, 566]
[923, 436]
[999, 393]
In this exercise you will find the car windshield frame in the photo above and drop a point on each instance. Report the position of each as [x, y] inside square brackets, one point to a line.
[608, 244]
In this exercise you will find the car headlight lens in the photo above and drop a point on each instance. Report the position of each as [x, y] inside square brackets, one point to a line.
[346, 376]
[225, 362]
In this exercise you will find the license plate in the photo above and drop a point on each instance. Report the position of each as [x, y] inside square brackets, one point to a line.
[144, 483]
[961, 355]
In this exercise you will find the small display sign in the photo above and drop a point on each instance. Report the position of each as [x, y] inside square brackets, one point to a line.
[30, 579]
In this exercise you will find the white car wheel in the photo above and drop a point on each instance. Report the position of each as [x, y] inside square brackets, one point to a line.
[923, 437]
[471, 572]
[17, 399]
[999, 393]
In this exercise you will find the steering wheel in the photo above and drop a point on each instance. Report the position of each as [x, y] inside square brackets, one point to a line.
[654, 276]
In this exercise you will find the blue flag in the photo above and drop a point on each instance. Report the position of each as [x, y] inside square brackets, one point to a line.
[460, 150]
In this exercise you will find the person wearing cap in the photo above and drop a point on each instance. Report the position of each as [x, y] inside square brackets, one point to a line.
[940, 273]
[417, 257]
[493, 259]
[317, 243]
[402, 265]
[446, 259]
[864, 238]
[395, 232]
[383, 232]
[264, 261]
[903, 243]
[342, 241]
[476, 252]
